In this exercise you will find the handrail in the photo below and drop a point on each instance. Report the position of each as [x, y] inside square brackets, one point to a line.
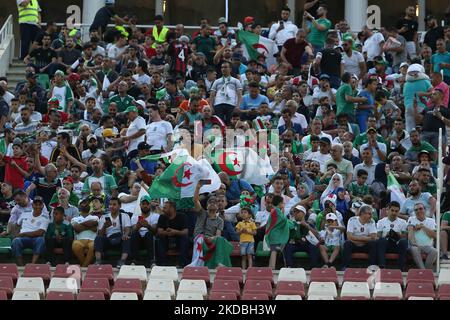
[7, 29]
[6, 45]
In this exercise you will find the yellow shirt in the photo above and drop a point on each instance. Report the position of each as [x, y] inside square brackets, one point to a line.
[249, 226]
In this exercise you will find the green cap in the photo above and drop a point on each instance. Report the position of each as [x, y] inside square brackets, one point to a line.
[59, 73]
[146, 198]
[132, 109]
[161, 94]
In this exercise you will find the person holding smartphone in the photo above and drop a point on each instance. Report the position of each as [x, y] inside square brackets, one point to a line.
[283, 30]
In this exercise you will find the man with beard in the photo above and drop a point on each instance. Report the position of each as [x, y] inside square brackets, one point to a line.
[93, 149]
[107, 181]
[417, 196]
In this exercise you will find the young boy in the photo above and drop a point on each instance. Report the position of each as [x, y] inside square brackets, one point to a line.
[97, 208]
[330, 238]
[247, 230]
[59, 235]
[359, 188]
[118, 170]
[16, 167]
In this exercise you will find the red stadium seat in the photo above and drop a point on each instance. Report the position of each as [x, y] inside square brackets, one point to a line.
[101, 271]
[233, 273]
[416, 289]
[255, 273]
[356, 275]
[258, 287]
[71, 271]
[196, 273]
[324, 275]
[91, 296]
[53, 295]
[290, 288]
[129, 286]
[222, 296]
[9, 270]
[39, 271]
[360, 256]
[444, 291]
[96, 285]
[3, 295]
[386, 298]
[445, 298]
[420, 276]
[236, 249]
[390, 276]
[7, 285]
[226, 286]
[259, 297]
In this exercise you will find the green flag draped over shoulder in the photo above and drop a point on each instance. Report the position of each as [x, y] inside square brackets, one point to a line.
[277, 229]
[396, 190]
[217, 252]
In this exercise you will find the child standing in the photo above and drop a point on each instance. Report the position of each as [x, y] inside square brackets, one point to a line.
[330, 238]
[246, 230]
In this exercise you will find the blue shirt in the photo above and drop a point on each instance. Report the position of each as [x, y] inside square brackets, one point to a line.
[249, 103]
[149, 166]
[236, 187]
[370, 101]
[441, 58]
[295, 127]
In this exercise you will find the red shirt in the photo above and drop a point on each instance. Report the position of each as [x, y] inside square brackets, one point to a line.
[64, 117]
[12, 175]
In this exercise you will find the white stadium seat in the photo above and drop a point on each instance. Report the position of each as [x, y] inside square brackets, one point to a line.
[383, 289]
[292, 274]
[322, 289]
[355, 289]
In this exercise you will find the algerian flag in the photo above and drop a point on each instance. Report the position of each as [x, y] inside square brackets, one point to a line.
[277, 229]
[106, 84]
[166, 157]
[255, 45]
[396, 190]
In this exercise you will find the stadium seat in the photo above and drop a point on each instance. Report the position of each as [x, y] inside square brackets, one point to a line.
[3, 295]
[91, 296]
[389, 276]
[7, 285]
[319, 297]
[258, 287]
[222, 296]
[386, 298]
[416, 289]
[129, 285]
[292, 274]
[290, 288]
[133, 272]
[37, 270]
[322, 289]
[444, 277]
[196, 273]
[323, 275]
[60, 296]
[356, 275]
[236, 249]
[420, 276]
[420, 298]
[169, 273]
[263, 273]
[192, 286]
[226, 273]
[31, 284]
[189, 296]
[63, 285]
[255, 296]
[9, 270]
[26, 295]
[444, 291]
[100, 271]
[355, 289]
[288, 297]
[226, 286]
[5, 245]
[66, 271]
[124, 296]
[445, 298]
[161, 285]
[96, 285]
[384, 289]
[157, 295]
[354, 298]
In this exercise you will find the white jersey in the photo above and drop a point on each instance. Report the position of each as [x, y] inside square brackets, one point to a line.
[385, 225]
[361, 230]
[115, 227]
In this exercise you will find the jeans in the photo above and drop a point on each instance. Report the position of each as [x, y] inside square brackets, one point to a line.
[65, 244]
[28, 33]
[101, 244]
[431, 252]
[224, 112]
[79, 247]
[291, 248]
[335, 82]
[385, 246]
[162, 244]
[433, 138]
[145, 242]
[411, 49]
[37, 244]
[361, 120]
[350, 247]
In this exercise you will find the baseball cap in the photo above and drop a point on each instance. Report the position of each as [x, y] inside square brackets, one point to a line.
[184, 39]
[331, 198]
[415, 68]
[108, 133]
[69, 179]
[141, 103]
[249, 20]
[131, 109]
[356, 205]
[314, 138]
[146, 198]
[324, 77]
[423, 152]
[59, 73]
[331, 216]
[372, 129]
[325, 140]
[222, 20]
[74, 77]
[17, 142]
[404, 64]
[143, 146]
[91, 136]
[38, 199]
[300, 208]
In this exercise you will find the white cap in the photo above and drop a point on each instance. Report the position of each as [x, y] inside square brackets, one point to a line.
[404, 64]
[141, 103]
[184, 39]
[331, 198]
[300, 208]
[416, 68]
[331, 216]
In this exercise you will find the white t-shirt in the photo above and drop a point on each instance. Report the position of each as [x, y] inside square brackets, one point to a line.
[78, 189]
[152, 220]
[115, 227]
[320, 158]
[332, 238]
[351, 64]
[226, 91]
[145, 78]
[136, 125]
[156, 133]
[47, 148]
[372, 46]
[29, 223]
[376, 158]
[86, 154]
[318, 93]
[289, 32]
[385, 225]
[422, 239]
[262, 217]
[297, 118]
[35, 116]
[86, 234]
[361, 230]
[114, 51]
[127, 207]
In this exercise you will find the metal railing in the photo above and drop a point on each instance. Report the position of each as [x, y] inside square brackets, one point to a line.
[6, 45]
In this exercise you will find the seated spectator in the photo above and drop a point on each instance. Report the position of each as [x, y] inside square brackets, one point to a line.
[234, 188]
[359, 188]
[330, 239]
[59, 235]
[417, 196]
[46, 187]
[379, 150]
[368, 165]
[445, 229]
[62, 200]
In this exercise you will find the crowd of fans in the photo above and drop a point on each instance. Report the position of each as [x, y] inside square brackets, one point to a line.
[352, 111]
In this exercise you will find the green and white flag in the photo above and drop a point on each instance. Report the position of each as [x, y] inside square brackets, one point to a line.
[277, 229]
[396, 190]
[255, 45]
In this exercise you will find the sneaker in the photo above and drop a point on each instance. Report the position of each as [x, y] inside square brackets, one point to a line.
[444, 257]
[120, 263]
[325, 266]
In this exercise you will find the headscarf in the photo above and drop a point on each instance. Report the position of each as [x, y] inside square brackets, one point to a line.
[331, 189]
[380, 174]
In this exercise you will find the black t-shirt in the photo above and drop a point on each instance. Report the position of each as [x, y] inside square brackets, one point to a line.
[43, 57]
[331, 62]
[69, 57]
[431, 123]
[45, 189]
[178, 223]
[6, 204]
[158, 61]
[412, 28]
[432, 36]
[102, 18]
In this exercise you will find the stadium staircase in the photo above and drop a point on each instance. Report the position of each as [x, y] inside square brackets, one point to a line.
[15, 73]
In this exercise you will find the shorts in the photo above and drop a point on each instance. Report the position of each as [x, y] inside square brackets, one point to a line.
[276, 247]
[330, 249]
[247, 248]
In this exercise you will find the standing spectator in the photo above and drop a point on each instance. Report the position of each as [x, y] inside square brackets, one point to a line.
[205, 43]
[368, 165]
[319, 28]
[16, 166]
[379, 149]
[47, 185]
[158, 132]
[59, 235]
[45, 57]
[135, 133]
[399, 52]
[434, 32]
[345, 97]
[283, 30]
[159, 31]
[104, 16]
[366, 109]
[440, 61]
[329, 60]
[251, 101]
[407, 27]
[246, 230]
[421, 236]
[294, 50]
[373, 46]
[29, 21]
[353, 60]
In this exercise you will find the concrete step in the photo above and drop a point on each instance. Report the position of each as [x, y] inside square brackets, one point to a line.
[16, 70]
[15, 77]
[18, 65]
[15, 74]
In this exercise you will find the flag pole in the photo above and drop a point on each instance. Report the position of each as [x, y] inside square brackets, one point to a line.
[438, 201]
[226, 10]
